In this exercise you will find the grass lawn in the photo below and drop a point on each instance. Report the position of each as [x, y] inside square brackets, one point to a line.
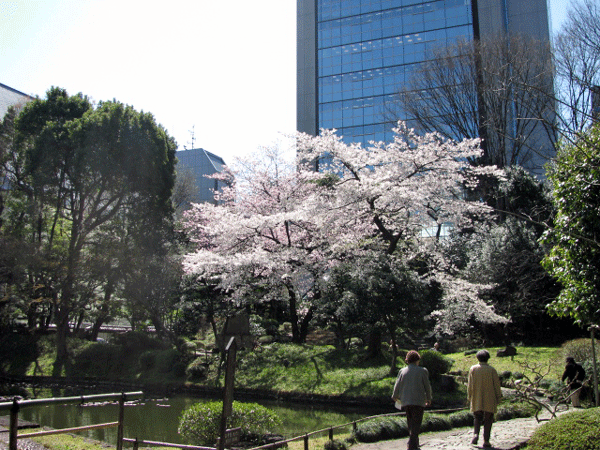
[547, 359]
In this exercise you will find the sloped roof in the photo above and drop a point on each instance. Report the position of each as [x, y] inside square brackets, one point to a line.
[10, 97]
[215, 160]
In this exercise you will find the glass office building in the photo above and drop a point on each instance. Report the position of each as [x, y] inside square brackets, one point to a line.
[354, 56]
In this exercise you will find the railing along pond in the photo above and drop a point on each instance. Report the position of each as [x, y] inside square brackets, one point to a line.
[16, 405]
[330, 430]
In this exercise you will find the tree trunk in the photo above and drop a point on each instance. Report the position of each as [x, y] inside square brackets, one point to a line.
[374, 346]
[62, 332]
[304, 324]
[296, 338]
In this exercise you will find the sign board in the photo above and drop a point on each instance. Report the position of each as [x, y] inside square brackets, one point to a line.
[238, 326]
[232, 436]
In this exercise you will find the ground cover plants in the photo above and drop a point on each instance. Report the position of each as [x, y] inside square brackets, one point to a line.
[577, 430]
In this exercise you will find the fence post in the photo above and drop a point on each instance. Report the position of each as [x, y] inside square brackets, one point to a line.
[14, 425]
[121, 420]
[331, 433]
[135, 444]
[306, 442]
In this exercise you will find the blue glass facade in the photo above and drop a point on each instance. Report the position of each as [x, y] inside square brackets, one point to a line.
[367, 50]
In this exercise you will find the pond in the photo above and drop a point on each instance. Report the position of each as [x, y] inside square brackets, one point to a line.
[157, 420]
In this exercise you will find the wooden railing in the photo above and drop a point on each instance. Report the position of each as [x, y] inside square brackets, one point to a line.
[15, 406]
[330, 430]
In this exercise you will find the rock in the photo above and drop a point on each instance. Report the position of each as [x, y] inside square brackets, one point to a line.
[509, 350]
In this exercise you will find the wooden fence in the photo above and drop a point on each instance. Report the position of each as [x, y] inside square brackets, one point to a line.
[15, 406]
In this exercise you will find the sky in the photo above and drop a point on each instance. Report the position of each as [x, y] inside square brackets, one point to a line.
[216, 74]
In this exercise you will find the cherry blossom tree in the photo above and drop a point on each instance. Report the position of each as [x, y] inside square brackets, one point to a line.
[282, 229]
[262, 240]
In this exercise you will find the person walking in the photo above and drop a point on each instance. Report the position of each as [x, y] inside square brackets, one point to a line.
[574, 374]
[484, 394]
[413, 391]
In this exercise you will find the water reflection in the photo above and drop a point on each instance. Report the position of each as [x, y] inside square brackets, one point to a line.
[157, 420]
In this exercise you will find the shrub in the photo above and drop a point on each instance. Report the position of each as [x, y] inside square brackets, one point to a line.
[436, 422]
[580, 349]
[138, 341]
[505, 375]
[436, 363]
[97, 360]
[200, 423]
[510, 411]
[147, 360]
[576, 431]
[197, 370]
[166, 360]
[381, 429]
[335, 444]
[461, 419]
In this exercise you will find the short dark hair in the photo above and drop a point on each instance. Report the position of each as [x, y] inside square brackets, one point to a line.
[483, 356]
[412, 357]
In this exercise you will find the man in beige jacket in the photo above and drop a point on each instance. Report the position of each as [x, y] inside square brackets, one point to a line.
[484, 395]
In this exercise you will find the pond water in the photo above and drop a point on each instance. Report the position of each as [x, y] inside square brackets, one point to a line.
[157, 420]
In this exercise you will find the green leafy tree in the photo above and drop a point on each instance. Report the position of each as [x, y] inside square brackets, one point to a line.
[574, 258]
[507, 255]
[370, 297]
[81, 170]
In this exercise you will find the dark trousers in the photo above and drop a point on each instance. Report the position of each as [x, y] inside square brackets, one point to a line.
[485, 418]
[414, 417]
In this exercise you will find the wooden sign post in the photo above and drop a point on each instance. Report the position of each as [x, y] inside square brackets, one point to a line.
[231, 350]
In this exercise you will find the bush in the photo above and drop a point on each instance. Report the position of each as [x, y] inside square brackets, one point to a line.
[197, 370]
[510, 411]
[136, 342]
[580, 349]
[436, 422]
[200, 423]
[461, 419]
[436, 363]
[576, 431]
[147, 360]
[505, 375]
[381, 429]
[97, 360]
[335, 444]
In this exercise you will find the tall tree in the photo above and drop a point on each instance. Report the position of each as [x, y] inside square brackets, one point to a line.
[259, 240]
[84, 168]
[577, 62]
[574, 258]
[286, 233]
[499, 89]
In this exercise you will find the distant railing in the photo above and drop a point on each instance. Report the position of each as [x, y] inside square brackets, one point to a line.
[15, 406]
